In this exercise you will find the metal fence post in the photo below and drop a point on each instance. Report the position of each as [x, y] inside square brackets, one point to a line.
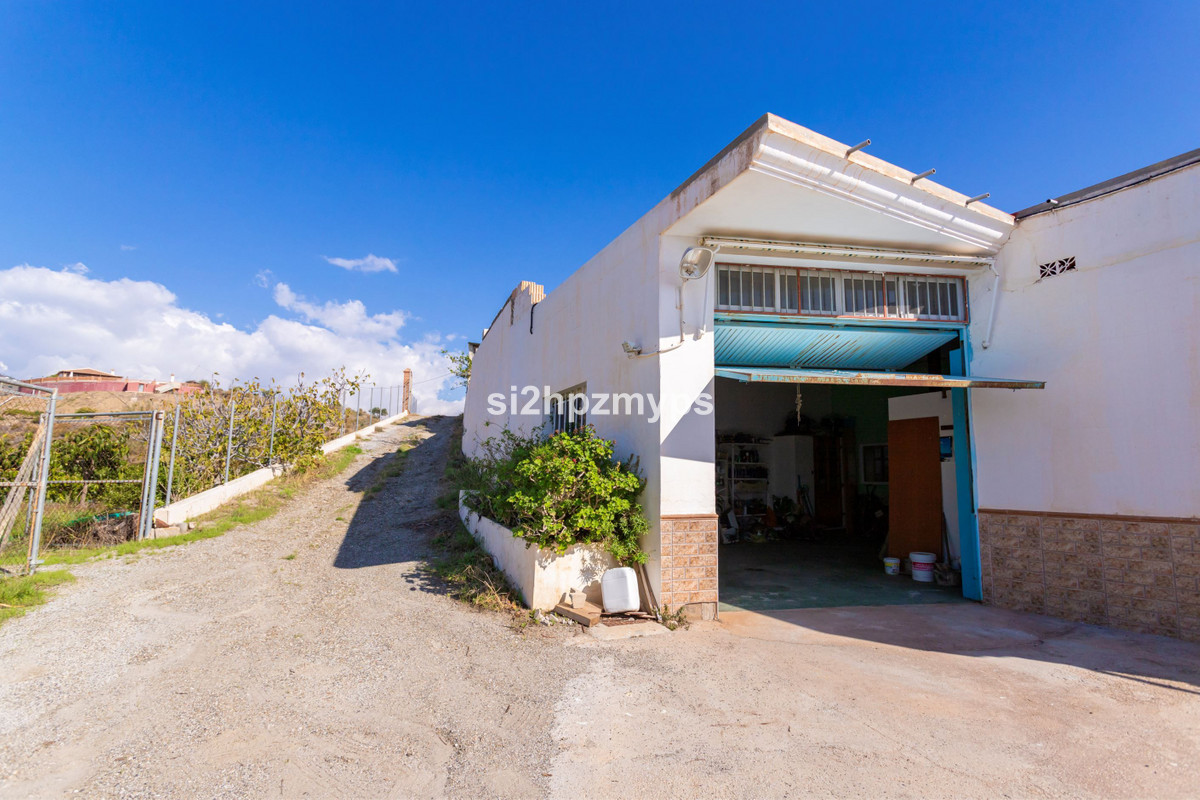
[158, 425]
[171, 462]
[271, 448]
[229, 443]
[35, 540]
[145, 501]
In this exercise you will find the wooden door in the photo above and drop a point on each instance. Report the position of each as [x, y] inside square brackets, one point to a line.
[914, 486]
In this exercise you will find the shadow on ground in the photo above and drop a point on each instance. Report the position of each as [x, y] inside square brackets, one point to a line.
[397, 524]
[972, 630]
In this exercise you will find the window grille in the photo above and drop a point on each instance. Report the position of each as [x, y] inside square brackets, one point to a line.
[932, 298]
[568, 409]
[824, 292]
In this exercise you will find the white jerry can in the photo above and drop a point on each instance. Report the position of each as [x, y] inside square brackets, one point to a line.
[619, 591]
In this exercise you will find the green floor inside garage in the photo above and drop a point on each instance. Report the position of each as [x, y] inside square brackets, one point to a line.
[772, 576]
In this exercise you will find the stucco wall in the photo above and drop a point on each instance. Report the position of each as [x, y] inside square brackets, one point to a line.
[1117, 429]
[574, 336]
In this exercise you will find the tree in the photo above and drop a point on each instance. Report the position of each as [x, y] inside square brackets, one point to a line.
[460, 366]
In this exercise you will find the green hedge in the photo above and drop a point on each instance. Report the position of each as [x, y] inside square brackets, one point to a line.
[559, 490]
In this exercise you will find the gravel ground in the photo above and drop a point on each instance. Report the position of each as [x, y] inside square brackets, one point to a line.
[226, 669]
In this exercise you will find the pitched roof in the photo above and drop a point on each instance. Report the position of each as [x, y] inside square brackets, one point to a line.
[87, 372]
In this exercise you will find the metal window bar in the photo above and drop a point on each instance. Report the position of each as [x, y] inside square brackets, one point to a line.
[824, 292]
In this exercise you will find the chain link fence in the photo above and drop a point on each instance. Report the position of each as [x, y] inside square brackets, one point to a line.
[95, 478]
[26, 424]
[103, 472]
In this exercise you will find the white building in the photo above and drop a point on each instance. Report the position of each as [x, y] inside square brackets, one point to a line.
[830, 358]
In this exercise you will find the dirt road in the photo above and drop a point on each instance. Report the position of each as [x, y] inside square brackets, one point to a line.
[308, 656]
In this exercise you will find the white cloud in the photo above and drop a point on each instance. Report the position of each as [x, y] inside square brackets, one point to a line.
[51, 320]
[78, 268]
[349, 318]
[371, 263]
[128, 247]
[263, 278]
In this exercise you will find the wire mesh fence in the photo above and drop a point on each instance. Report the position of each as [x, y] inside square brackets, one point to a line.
[26, 424]
[102, 474]
[224, 434]
[91, 478]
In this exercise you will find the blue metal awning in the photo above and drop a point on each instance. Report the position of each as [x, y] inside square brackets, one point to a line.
[786, 344]
[752, 374]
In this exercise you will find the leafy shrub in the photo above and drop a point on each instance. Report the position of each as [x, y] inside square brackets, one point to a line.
[558, 491]
[96, 453]
[306, 416]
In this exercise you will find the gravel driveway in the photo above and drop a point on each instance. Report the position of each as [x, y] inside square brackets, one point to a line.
[225, 669]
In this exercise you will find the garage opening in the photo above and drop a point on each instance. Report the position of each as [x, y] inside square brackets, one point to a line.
[821, 475]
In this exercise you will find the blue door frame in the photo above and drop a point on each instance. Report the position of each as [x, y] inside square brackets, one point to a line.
[964, 443]
[964, 475]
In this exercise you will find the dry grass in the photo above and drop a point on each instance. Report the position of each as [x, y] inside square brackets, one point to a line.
[470, 575]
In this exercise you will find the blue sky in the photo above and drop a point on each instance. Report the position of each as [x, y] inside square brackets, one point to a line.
[219, 149]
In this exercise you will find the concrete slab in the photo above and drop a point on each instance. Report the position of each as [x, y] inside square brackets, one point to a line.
[771, 575]
[611, 633]
[957, 628]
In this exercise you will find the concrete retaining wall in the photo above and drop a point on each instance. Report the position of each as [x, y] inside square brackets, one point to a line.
[541, 576]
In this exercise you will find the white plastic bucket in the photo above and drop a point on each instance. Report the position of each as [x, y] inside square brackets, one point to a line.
[922, 566]
[619, 590]
[891, 566]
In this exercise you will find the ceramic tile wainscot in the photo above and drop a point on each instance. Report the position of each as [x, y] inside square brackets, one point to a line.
[1135, 573]
[689, 563]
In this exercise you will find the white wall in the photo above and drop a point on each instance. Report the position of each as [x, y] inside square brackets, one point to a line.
[542, 577]
[933, 404]
[1117, 428]
[578, 330]
[631, 291]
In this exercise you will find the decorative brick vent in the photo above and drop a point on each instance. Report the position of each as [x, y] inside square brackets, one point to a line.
[689, 560]
[1139, 574]
[1052, 268]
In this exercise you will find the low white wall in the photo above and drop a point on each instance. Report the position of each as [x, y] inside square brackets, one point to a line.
[541, 576]
[210, 499]
[350, 438]
[202, 503]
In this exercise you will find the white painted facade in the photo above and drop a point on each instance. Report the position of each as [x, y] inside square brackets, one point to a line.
[1117, 428]
[1095, 441]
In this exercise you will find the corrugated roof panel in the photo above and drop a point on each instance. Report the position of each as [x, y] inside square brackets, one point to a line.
[820, 346]
[851, 378]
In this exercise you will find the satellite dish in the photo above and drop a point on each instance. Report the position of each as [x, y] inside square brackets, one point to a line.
[695, 263]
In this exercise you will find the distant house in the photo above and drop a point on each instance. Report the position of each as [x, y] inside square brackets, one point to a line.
[71, 381]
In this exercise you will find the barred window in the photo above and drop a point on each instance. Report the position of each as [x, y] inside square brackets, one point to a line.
[827, 292]
[568, 409]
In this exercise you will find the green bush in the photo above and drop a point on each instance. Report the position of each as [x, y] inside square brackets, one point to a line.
[559, 491]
